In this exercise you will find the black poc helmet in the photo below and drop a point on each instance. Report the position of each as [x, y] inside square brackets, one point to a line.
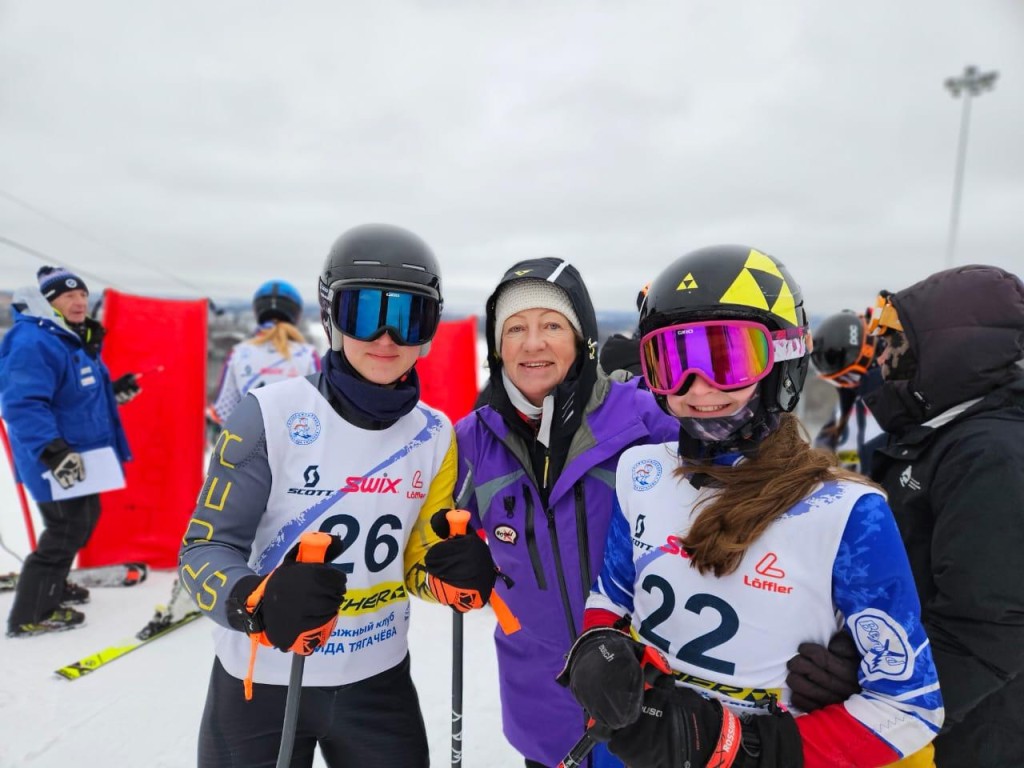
[733, 282]
[377, 256]
[843, 351]
[277, 300]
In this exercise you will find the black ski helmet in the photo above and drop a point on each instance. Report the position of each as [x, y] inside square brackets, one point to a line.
[377, 256]
[277, 300]
[843, 351]
[733, 282]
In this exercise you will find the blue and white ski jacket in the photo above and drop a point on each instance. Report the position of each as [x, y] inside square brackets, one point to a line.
[835, 559]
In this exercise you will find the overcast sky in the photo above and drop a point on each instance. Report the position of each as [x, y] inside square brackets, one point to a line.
[200, 148]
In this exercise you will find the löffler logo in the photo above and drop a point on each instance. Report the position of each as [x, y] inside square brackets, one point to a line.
[768, 570]
[767, 567]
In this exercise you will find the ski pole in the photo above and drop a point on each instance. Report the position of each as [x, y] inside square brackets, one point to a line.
[458, 520]
[30, 528]
[655, 666]
[312, 549]
[154, 369]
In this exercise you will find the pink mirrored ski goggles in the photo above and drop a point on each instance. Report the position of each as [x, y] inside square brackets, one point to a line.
[729, 354]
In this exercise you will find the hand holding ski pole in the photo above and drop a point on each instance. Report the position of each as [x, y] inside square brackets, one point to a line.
[460, 570]
[298, 604]
[653, 667]
[126, 387]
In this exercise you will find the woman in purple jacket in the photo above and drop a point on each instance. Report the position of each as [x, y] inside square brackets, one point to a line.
[537, 472]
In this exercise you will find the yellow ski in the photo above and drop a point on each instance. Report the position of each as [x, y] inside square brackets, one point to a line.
[91, 663]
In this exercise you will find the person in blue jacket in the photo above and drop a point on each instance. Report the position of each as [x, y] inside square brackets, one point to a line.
[537, 471]
[58, 401]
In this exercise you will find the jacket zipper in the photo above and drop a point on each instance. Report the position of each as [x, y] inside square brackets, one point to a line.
[550, 514]
[531, 540]
[583, 540]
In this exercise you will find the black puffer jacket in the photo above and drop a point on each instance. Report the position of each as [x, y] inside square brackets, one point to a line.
[954, 472]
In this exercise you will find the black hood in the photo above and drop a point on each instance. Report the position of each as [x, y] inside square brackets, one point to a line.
[572, 394]
[568, 279]
[965, 328]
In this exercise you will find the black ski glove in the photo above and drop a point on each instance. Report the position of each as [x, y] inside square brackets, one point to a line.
[679, 727]
[606, 676]
[126, 388]
[460, 570]
[819, 676]
[299, 604]
[65, 464]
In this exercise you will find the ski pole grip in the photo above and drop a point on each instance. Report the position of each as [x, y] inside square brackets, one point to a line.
[458, 522]
[313, 547]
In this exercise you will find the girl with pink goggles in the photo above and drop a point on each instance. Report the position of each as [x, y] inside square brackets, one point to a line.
[729, 354]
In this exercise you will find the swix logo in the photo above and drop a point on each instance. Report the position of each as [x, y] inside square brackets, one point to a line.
[674, 546]
[357, 484]
[767, 567]
[909, 482]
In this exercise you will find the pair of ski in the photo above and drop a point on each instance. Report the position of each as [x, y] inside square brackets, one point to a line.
[117, 575]
[163, 623]
[178, 612]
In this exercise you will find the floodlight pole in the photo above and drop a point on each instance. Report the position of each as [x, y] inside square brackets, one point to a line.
[970, 83]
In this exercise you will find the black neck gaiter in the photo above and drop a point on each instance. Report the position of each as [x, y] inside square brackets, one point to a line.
[374, 402]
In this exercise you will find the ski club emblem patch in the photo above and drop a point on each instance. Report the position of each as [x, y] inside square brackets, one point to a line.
[646, 474]
[506, 533]
[303, 428]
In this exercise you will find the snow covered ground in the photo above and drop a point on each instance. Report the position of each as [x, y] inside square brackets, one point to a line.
[144, 709]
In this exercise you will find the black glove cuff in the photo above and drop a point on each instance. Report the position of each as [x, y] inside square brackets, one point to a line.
[239, 616]
[585, 639]
[124, 383]
[771, 741]
[54, 452]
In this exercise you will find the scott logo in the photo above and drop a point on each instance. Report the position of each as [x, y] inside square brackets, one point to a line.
[311, 476]
[356, 484]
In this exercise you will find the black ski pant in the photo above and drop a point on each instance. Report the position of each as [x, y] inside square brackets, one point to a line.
[68, 525]
[373, 723]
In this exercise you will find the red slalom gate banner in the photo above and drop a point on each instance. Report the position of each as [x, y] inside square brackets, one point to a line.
[165, 341]
[448, 373]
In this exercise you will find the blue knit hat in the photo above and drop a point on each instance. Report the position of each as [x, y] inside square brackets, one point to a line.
[53, 281]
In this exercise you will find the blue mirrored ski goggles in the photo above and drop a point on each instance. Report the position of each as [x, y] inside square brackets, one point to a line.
[365, 314]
